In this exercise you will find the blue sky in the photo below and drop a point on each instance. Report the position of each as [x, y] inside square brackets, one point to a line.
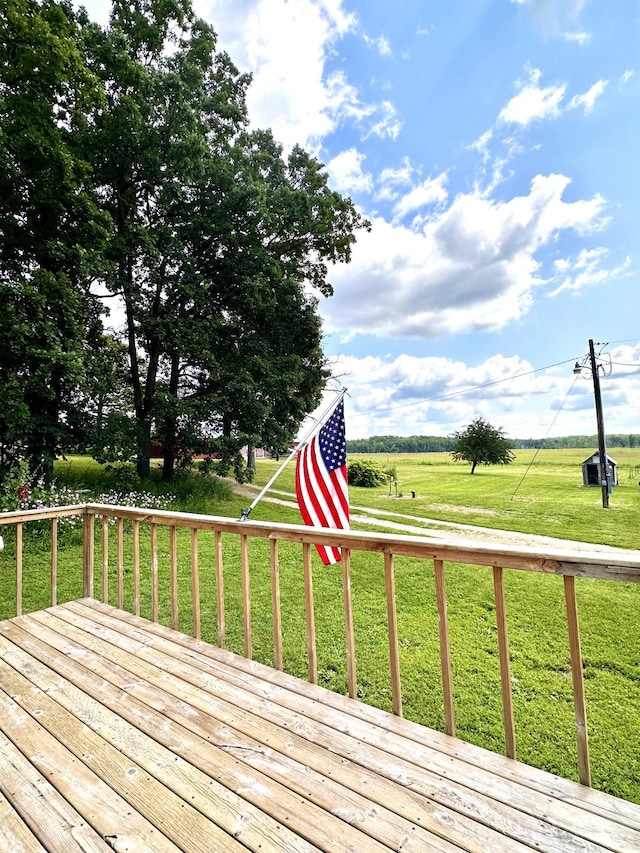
[494, 146]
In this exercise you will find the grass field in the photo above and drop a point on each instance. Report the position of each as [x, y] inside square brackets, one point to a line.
[543, 496]
[539, 494]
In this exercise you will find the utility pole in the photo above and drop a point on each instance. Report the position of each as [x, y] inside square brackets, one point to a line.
[602, 447]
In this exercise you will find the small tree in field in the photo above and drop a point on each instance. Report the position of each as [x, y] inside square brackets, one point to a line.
[480, 443]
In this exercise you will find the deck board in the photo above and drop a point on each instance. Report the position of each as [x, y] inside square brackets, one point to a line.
[118, 733]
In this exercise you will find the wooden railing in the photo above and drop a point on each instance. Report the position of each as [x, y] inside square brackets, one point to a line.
[98, 545]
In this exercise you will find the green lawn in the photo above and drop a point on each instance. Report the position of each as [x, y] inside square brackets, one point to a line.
[540, 493]
[550, 500]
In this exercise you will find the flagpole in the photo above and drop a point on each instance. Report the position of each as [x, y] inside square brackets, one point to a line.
[244, 514]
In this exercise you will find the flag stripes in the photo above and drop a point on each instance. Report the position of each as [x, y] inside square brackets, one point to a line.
[321, 481]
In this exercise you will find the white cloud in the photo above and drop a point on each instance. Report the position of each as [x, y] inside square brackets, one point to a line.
[346, 172]
[381, 44]
[285, 44]
[388, 125]
[429, 192]
[481, 145]
[472, 267]
[532, 102]
[390, 181]
[626, 76]
[579, 38]
[586, 270]
[409, 395]
[588, 99]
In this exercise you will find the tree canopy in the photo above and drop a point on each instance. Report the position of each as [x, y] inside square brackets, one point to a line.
[51, 232]
[480, 443]
[130, 178]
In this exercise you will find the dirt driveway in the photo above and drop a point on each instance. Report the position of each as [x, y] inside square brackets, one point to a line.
[398, 522]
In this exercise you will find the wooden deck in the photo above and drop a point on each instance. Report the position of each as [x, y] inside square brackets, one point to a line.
[119, 734]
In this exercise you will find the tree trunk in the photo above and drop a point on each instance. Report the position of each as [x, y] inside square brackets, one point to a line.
[170, 429]
[251, 457]
[169, 458]
[473, 466]
[143, 462]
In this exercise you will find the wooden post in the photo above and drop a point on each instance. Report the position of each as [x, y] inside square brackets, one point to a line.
[195, 583]
[392, 625]
[120, 560]
[136, 567]
[275, 604]
[153, 535]
[173, 571]
[219, 588]
[350, 642]
[87, 555]
[105, 559]
[578, 680]
[309, 613]
[505, 667]
[445, 649]
[54, 562]
[246, 594]
[19, 569]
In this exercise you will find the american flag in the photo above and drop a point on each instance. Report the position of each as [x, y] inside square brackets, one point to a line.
[321, 481]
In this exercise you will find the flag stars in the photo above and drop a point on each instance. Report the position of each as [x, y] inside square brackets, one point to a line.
[332, 442]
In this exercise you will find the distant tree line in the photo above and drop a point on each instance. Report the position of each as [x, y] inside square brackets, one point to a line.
[440, 443]
[401, 444]
[588, 441]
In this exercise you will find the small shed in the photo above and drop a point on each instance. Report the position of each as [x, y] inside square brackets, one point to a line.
[591, 470]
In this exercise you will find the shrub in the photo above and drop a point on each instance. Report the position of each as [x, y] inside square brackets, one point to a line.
[366, 474]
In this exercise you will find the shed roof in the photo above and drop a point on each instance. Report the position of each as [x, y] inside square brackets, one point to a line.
[596, 457]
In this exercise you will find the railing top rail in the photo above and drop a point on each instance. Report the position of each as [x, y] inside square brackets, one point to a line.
[618, 564]
[612, 564]
[45, 512]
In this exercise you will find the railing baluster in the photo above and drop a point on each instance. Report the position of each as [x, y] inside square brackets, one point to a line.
[577, 678]
[88, 553]
[153, 544]
[136, 566]
[350, 642]
[219, 588]
[173, 571]
[54, 561]
[19, 569]
[445, 648]
[195, 583]
[392, 624]
[505, 667]
[105, 559]
[309, 614]
[120, 560]
[275, 604]
[246, 594]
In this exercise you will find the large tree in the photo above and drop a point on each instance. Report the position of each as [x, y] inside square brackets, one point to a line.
[51, 231]
[480, 443]
[127, 171]
[215, 236]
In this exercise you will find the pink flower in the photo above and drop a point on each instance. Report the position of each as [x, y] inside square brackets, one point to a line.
[22, 492]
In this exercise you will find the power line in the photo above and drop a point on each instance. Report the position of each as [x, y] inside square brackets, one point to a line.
[575, 379]
[462, 390]
[627, 341]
